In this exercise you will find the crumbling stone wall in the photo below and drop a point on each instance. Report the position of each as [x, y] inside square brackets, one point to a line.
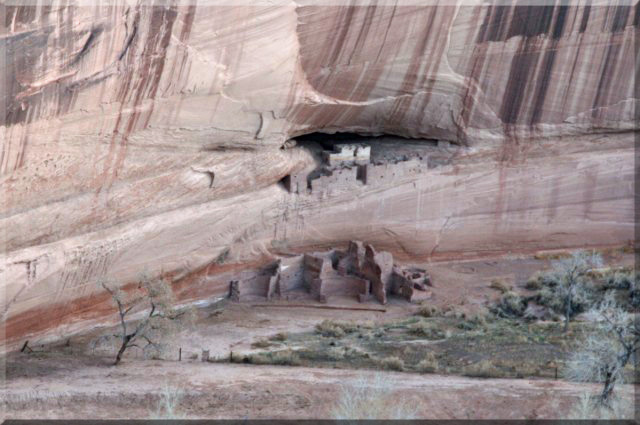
[377, 268]
[290, 274]
[348, 154]
[349, 165]
[411, 284]
[359, 271]
[338, 179]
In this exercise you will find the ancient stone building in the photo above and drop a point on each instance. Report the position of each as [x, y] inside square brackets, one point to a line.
[358, 272]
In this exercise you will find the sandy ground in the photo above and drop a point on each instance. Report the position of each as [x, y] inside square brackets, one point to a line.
[57, 388]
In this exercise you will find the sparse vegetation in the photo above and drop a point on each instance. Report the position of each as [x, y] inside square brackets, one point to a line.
[423, 329]
[482, 369]
[510, 305]
[429, 364]
[153, 298]
[589, 407]
[371, 399]
[392, 363]
[168, 404]
[282, 357]
[500, 285]
[606, 352]
[568, 288]
[429, 311]
[338, 329]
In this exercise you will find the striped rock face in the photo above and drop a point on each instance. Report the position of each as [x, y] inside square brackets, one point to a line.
[140, 137]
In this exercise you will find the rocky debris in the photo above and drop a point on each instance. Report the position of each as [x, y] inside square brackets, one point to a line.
[359, 271]
[411, 283]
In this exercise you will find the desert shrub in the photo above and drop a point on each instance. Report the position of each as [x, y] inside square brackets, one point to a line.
[499, 285]
[607, 351]
[371, 399]
[552, 255]
[330, 329]
[283, 357]
[634, 293]
[281, 336]
[392, 363]
[535, 283]
[429, 364]
[466, 325]
[479, 320]
[335, 353]
[429, 311]
[424, 330]
[589, 407]
[568, 288]
[482, 369]
[510, 305]
[338, 329]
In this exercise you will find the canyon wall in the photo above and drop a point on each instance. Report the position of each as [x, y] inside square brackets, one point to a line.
[149, 138]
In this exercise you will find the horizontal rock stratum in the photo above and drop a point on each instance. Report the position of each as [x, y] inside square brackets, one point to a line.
[148, 138]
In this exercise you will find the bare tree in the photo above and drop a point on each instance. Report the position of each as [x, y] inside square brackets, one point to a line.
[153, 299]
[606, 352]
[567, 285]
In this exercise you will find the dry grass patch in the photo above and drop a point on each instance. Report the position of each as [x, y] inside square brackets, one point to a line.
[500, 285]
[392, 363]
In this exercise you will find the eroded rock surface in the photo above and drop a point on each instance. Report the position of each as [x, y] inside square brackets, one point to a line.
[140, 137]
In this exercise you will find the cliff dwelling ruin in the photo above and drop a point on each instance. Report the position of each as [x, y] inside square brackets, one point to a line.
[310, 193]
[345, 160]
[358, 272]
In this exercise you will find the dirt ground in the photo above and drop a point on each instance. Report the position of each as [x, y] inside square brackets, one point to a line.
[56, 387]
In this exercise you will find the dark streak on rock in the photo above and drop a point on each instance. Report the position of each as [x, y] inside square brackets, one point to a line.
[127, 44]
[585, 18]
[95, 32]
[530, 21]
[523, 63]
[526, 21]
[620, 18]
[188, 23]
[543, 78]
[606, 76]
[558, 27]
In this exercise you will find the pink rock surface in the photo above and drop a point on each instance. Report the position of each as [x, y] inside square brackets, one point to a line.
[140, 137]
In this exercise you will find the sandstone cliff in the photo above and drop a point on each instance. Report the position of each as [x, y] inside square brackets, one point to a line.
[140, 137]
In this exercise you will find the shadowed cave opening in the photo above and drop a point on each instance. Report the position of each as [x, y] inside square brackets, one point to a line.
[342, 158]
[329, 141]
